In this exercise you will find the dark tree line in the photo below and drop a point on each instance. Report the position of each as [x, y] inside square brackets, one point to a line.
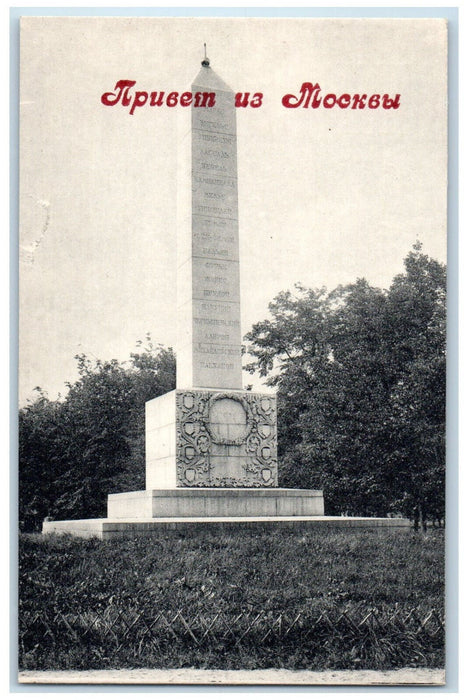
[360, 374]
[73, 452]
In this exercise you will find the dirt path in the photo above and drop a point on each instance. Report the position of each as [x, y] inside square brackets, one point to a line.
[188, 676]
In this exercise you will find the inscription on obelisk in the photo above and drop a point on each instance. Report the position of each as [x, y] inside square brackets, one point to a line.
[209, 336]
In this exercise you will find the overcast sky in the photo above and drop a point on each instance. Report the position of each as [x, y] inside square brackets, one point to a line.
[325, 195]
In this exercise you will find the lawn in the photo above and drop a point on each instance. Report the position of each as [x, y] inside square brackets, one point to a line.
[229, 600]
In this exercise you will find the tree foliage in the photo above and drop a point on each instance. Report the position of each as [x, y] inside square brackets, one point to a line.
[73, 452]
[360, 374]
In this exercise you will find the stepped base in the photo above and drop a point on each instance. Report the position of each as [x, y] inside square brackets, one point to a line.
[214, 502]
[106, 529]
[195, 509]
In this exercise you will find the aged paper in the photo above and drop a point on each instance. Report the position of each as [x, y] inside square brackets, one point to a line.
[341, 154]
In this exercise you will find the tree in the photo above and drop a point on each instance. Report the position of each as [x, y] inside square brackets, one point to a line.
[39, 463]
[346, 364]
[75, 451]
[417, 320]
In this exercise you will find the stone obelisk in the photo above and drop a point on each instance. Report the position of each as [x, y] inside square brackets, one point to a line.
[209, 433]
[208, 299]
[210, 445]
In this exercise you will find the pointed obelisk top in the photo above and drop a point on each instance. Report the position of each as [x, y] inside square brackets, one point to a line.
[207, 78]
[206, 60]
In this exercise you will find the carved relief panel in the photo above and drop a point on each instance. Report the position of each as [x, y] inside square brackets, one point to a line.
[226, 439]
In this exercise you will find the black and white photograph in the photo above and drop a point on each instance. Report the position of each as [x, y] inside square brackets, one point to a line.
[232, 350]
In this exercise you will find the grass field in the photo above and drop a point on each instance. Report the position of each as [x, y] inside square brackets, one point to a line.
[231, 573]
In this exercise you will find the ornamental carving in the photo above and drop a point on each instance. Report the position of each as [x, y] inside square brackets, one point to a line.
[226, 439]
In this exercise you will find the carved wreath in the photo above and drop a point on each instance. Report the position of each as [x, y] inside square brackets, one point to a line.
[219, 439]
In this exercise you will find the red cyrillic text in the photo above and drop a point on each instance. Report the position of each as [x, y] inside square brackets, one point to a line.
[309, 96]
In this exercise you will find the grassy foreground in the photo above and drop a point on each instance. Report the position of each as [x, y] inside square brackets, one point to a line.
[230, 573]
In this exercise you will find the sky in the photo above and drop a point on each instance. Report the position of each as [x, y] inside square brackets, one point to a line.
[325, 195]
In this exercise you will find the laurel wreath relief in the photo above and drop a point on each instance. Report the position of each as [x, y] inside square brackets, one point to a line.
[199, 429]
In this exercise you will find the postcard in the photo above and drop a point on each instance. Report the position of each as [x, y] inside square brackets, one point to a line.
[232, 310]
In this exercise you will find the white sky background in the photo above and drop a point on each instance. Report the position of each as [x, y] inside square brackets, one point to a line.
[325, 196]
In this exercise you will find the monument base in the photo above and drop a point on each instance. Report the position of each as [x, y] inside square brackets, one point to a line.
[215, 502]
[195, 509]
[107, 528]
[207, 438]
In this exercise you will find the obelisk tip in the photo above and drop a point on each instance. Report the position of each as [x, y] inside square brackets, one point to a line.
[206, 60]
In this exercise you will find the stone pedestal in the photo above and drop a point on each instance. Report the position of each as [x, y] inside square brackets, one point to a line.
[114, 528]
[214, 503]
[200, 438]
